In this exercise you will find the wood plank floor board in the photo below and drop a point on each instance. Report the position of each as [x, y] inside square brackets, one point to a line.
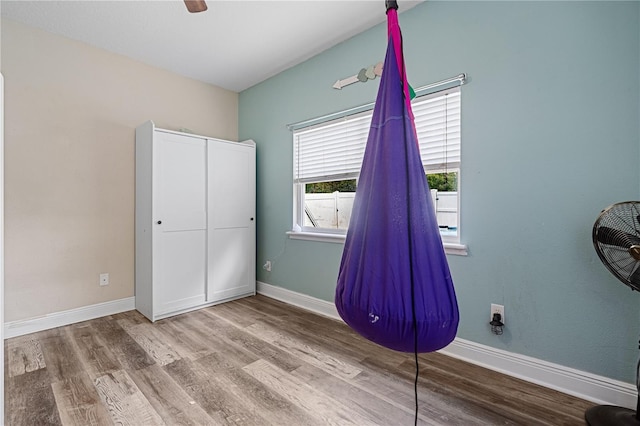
[227, 357]
[213, 334]
[502, 395]
[220, 324]
[305, 351]
[126, 350]
[328, 410]
[385, 411]
[124, 401]
[450, 370]
[274, 408]
[24, 355]
[283, 313]
[507, 397]
[257, 346]
[299, 316]
[254, 362]
[95, 355]
[261, 310]
[34, 404]
[131, 317]
[326, 338]
[434, 399]
[321, 335]
[188, 342]
[154, 343]
[519, 389]
[226, 350]
[78, 402]
[327, 332]
[169, 400]
[205, 388]
[60, 354]
[203, 334]
[236, 316]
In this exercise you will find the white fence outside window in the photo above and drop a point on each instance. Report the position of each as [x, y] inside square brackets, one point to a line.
[333, 210]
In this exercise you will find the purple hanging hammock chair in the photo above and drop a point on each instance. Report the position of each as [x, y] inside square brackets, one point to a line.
[394, 285]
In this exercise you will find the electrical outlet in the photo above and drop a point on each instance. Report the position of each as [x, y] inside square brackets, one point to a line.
[267, 266]
[497, 309]
[104, 279]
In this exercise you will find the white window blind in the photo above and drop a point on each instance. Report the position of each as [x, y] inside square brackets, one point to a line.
[437, 119]
[334, 150]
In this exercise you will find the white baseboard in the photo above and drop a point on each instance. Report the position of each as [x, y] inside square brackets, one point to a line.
[58, 319]
[592, 387]
[588, 386]
[300, 300]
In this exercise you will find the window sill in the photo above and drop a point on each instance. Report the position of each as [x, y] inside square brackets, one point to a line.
[317, 236]
[449, 248]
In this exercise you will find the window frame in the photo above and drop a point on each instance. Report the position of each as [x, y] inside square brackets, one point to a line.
[300, 231]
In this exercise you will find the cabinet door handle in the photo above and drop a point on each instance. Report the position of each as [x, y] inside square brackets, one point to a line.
[159, 222]
[251, 218]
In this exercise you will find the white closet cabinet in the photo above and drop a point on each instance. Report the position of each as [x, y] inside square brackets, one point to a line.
[195, 221]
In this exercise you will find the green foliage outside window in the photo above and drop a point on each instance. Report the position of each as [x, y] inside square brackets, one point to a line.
[439, 181]
[443, 181]
[330, 187]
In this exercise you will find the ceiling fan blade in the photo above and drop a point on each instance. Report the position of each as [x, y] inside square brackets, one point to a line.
[195, 6]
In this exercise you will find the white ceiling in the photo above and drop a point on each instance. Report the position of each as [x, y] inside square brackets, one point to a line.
[234, 44]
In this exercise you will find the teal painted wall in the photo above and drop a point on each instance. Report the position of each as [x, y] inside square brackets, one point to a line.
[550, 137]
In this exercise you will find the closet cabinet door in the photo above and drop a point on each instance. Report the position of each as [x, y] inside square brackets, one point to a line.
[194, 221]
[231, 220]
[179, 222]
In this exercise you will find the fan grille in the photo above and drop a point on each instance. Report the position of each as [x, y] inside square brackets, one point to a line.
[616, 238]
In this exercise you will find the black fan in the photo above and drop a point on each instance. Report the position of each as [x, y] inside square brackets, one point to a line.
[616, 238]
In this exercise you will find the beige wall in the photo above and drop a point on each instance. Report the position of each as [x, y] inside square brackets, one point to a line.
[70, 114]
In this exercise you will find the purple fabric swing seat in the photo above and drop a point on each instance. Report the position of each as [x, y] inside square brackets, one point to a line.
[394, 284]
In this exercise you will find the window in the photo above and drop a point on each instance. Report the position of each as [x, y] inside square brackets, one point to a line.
[328, 157]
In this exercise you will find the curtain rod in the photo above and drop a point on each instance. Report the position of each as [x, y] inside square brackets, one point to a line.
[448, 83]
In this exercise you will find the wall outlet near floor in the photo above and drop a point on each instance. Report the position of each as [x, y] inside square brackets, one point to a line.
[497, 309]
[267, 266]
[104, 279]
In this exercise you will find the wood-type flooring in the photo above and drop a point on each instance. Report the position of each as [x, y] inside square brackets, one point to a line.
[254, 361]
